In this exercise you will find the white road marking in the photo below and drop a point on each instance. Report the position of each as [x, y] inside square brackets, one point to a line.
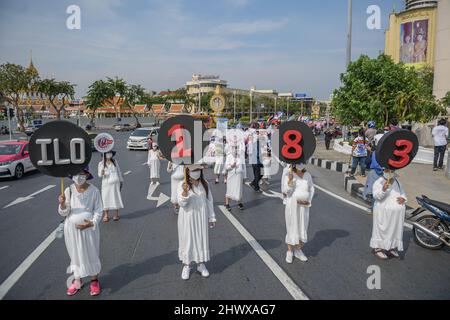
[1, 188]
[29, 197]
[144, 164]
[25, 265]
[285, 280]
[359, 206]
[127, 173]
[162, 198]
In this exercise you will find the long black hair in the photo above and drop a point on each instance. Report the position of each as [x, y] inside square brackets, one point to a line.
[202, 180]
[112, 159]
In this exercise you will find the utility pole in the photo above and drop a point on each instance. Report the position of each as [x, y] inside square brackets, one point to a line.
[9, 121]
[234, 106]
[251, 102]
[349, 33]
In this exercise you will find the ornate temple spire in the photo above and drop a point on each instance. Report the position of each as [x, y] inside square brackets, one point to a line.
[31, 66]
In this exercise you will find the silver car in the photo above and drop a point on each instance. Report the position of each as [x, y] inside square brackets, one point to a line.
[141, 138]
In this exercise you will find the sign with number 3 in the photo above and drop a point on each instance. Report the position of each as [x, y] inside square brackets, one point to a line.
[397, 149]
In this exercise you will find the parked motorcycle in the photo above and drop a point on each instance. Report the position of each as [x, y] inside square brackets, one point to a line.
[432, 231]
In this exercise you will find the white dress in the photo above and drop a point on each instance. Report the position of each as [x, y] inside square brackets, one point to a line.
[297, 216]
[83, 246]
[388, 216]
[235, 177]
[111, 196]
[196, 211]
[284, 177]
[176, 176]
[219, 167]
[154, 163]
[267, 163]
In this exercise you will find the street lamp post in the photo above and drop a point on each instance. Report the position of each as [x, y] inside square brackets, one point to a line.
[349, 33]
[251, 102]
[287, 113]
[9, 121]
[199, 99]
[234, 106]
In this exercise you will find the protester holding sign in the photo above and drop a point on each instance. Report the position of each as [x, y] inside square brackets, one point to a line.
[395, 151]
[299, 189]
[112, 181]
[81, 204]
[235, 164]
[196, 215]
[154, 163]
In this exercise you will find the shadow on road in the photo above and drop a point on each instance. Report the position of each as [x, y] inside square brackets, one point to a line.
[322, 239]
[124, 274]
[221, 261]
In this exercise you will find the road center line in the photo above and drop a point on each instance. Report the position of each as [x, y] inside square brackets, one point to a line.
[4, 187]
[285, 280]
[127, 173]
[25, 265]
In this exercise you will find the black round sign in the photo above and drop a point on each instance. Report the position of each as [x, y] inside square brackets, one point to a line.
[297, 142]
[178, 145]
[60, 148]
[396, 149]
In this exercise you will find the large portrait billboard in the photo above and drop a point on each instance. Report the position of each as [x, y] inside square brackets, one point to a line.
[414, 41]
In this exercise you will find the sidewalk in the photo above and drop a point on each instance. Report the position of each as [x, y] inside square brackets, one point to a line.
[417, 179]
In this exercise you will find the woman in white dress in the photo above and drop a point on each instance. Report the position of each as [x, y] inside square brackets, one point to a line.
[81, 204]
[235, 166]
[267, 163]
[219, 167]
[299, 188]
[176, 176]
[154, 163]
[112, 182]
[388, 216]
[195, 218]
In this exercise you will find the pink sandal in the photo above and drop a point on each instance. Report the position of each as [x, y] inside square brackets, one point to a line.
[95, 288]
[74, 288]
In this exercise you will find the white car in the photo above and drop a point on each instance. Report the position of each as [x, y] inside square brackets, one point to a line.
[14, 159]
[140, 138]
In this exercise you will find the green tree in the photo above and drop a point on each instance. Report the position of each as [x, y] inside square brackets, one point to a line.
[133, 95]
[98, 92]
[446, 100]
[381, 90]
[16, 83]
[58, 93]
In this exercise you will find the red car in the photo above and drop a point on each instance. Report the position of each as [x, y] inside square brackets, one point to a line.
[14, 159]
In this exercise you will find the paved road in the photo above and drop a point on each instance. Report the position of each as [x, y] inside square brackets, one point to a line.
[139, 253]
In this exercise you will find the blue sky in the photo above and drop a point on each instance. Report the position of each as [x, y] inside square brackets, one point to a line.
[287, 45]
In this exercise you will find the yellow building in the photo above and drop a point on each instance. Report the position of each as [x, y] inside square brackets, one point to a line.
[411, 36]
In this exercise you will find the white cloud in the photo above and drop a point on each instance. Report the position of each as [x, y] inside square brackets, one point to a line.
[252, 27]
[209, 43]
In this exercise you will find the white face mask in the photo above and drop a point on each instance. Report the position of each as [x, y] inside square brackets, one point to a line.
[154, 148]
[195, 174]
[388, 176]
[79, 179]
[108, 156]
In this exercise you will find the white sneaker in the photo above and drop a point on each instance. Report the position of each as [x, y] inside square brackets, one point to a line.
[202, 269]
[289, 256]
[186, 273]
[300, 255]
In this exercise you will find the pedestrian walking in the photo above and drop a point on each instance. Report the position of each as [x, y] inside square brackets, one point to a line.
[255, 160]
[440, 136]
[267, 165]
[359, 153]
[328, 137]
[176, 177]
[154, 162]
[81, 205]
[299, 188]
[388, 216]
[112, 182]
[195, 218]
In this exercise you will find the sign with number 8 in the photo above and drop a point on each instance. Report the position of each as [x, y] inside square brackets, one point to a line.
[397, 149]
[297, 142]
